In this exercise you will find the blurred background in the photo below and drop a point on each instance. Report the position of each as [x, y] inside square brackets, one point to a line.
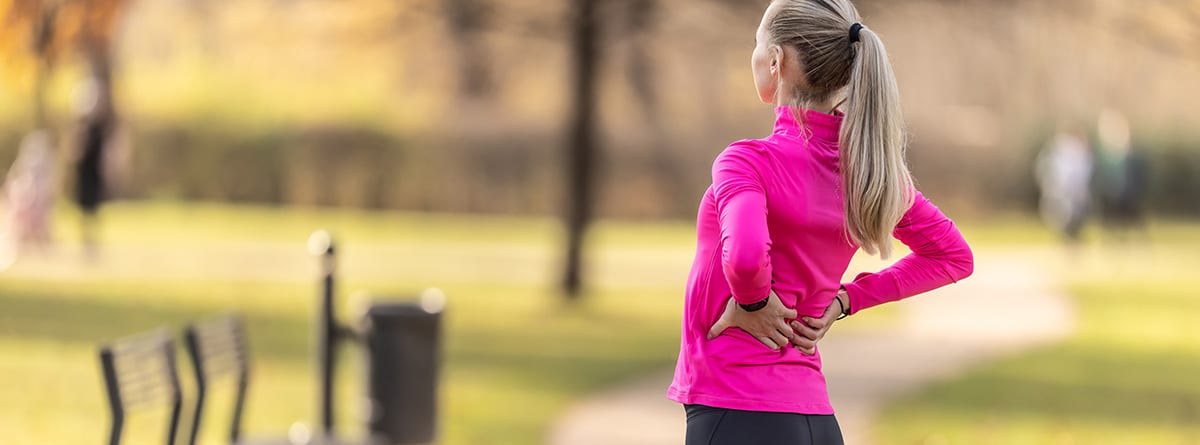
[541, 164]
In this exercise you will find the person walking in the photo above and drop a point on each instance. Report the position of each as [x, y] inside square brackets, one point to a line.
[98, 123]
[1064, 177]
[778, 226]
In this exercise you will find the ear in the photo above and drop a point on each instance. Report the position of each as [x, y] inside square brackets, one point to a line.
[776, 58]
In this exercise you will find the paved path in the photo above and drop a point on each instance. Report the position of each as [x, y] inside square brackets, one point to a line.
[1011, 303]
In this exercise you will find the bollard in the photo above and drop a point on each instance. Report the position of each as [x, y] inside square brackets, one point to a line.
[320, 243]
[403, 343]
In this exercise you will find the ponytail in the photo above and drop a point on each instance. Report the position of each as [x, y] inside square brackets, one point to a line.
[876, 182]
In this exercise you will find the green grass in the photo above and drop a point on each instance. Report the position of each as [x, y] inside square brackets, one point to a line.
[1130, 374]
[516, 355]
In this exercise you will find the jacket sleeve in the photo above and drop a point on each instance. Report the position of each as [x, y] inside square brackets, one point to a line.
[741, 203]
[940, 256]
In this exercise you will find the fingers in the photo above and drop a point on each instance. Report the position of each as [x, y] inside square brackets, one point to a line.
[778, 308]
[806, 338]
[769, 342]
[806, 331]
[722, 323]
[718, 328]
[816, 323]
[783, 326]
[780, 339]
[803, 343]
[789, 314]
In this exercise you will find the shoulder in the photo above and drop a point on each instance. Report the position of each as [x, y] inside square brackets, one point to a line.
[744, 158]
[747, 153]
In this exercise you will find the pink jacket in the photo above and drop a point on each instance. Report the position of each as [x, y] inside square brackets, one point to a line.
[773, 218]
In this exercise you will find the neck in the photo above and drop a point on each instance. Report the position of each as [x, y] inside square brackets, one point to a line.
[827, 106]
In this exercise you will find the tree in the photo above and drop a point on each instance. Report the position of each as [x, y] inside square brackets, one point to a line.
[37, 33]
[581, 149]
[467, 21]
[640, 18]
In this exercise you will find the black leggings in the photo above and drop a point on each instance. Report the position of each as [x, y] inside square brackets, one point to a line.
[718, 426]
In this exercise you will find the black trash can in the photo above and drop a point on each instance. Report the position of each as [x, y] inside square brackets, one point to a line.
[403, 357]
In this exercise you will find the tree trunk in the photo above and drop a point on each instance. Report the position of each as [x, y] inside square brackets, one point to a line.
[641, 17]
[467, 21]
[581, 150]
[43, 33]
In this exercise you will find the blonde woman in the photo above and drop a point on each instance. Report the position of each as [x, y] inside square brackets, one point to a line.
[784, 215]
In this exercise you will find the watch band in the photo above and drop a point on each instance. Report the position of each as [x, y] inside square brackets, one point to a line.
[845, 306]
[755, 306]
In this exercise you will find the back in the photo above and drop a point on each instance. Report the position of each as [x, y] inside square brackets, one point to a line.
[796, 173]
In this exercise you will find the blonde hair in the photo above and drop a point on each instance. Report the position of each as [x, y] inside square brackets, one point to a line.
[877, 186]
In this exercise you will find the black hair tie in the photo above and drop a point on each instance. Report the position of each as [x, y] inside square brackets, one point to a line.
[854, 31]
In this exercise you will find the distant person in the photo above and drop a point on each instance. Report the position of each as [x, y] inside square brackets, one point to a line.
[28, 197]
[1122, 176]
[97, 124]
[781, 221]
[1064, 175]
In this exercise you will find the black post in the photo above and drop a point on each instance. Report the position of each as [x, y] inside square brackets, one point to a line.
[114, 395]
[321, 243]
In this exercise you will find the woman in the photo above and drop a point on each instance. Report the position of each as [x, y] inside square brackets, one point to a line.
[781, 221]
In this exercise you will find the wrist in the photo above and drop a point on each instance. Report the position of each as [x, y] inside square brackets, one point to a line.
[843, 299]
[755, 306]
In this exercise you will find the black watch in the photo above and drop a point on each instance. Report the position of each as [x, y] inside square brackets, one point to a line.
[755, 306]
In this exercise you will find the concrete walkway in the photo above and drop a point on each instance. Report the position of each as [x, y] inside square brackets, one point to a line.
[1010, 304]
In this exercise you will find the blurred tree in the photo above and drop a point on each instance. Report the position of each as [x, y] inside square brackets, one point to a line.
[38, 33]
[28, 38]
[581, 150]
[468, 20]
[639, 20]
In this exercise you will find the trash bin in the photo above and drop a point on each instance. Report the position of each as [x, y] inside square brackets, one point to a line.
[403, 343]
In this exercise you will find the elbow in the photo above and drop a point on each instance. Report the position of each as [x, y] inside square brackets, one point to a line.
[747, 269]
[743, 276]
[964, 265]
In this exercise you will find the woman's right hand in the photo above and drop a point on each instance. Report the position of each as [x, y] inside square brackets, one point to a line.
[769, 325]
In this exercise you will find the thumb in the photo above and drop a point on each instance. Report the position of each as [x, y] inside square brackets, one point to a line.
[717, 329]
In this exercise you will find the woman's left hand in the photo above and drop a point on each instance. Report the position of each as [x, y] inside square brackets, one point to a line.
[813, 330]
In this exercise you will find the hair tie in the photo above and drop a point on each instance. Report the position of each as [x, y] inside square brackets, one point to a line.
[854, 31]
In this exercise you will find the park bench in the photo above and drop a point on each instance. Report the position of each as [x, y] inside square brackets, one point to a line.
[140, 372]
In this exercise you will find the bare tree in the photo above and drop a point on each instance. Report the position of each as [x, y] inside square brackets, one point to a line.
[581, 144]
[468, 20]
[39, 32]
[640, 18]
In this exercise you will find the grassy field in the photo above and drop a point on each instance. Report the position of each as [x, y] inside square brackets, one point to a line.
[516, 355]
[1128, 375]
[515, 352]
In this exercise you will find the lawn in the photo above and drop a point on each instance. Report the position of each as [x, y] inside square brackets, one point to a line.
[1128, 375]
[516, 354]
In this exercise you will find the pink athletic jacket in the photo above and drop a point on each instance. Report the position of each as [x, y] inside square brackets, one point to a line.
[773, 218]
